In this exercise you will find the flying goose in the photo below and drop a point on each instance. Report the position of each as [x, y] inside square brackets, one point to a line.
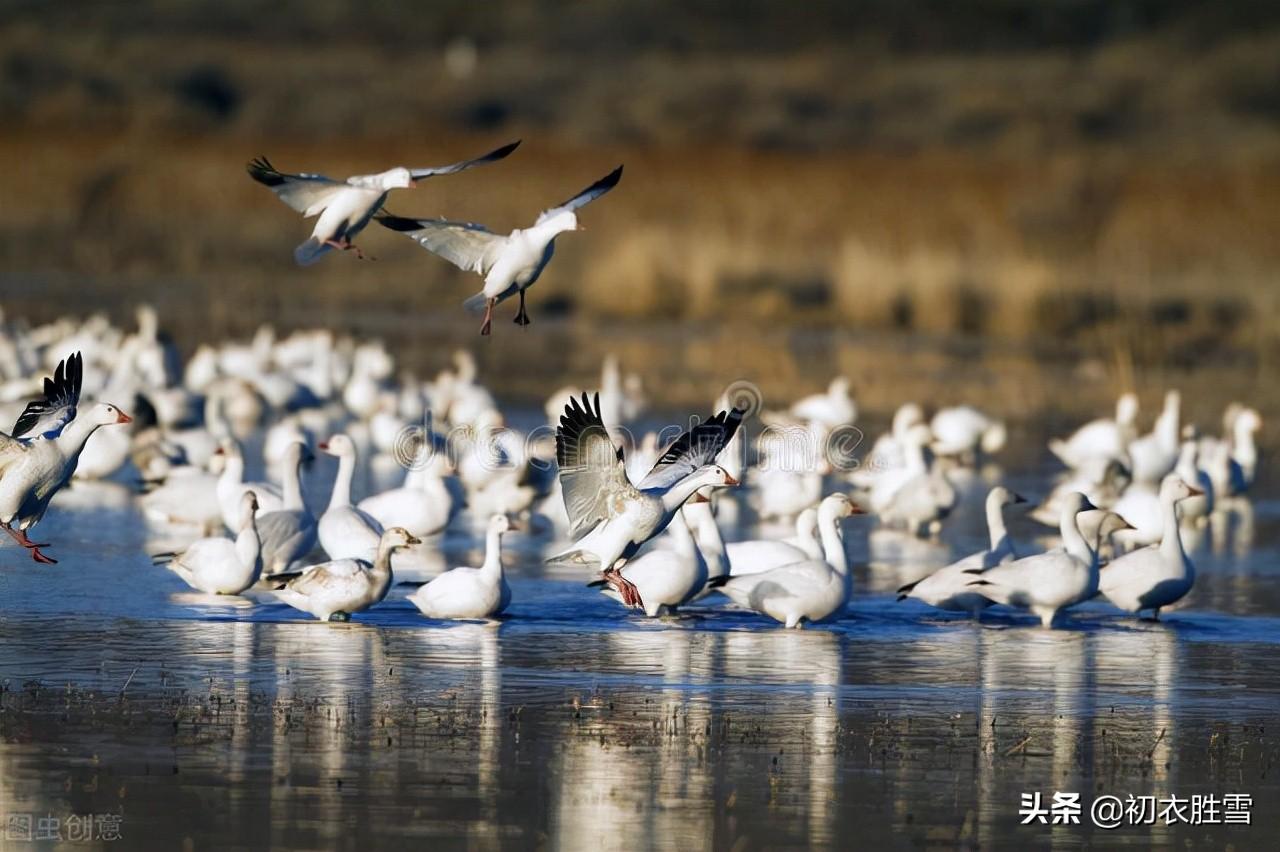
[345, 206]
[609, 515]
[41, 454]
[510, 264]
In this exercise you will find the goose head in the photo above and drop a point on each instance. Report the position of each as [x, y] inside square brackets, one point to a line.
[837, 506]
[339, 445]
[397, 538]
[1127, 409]
[500, 524]
[106, 414]
[1174, 488]
[1247, 422]
[994, 438]
[713, 476]
[1002, 496]
[1076, 502]
[248, 508]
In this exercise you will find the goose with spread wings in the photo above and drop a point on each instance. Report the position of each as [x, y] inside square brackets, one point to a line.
[510, 264]
[346, 206]
[610, 517]
[41, 454]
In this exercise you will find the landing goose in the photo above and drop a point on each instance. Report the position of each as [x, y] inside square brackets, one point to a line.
[345, 206]
[223, 566]
[610, 517]
[1046, 583]
[333, 591]
[664, 577]
[948, 587]
[346, 531]
[510, 264]
[470, 592]
[812, 590]
[41, 454]
[1156, 576]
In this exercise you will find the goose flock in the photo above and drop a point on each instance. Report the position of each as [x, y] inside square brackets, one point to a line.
[645, 521]
[644, 518]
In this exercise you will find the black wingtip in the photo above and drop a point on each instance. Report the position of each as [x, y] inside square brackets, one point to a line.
[397, 223]
[596, 584]
[973, 570]
[717, 582]
[902, 591]
[504, 151]
[902, 598]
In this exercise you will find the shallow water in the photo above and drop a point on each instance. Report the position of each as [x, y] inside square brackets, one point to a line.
[572, 724]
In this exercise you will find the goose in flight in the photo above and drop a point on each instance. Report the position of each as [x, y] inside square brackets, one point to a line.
[41, 454]
[510, 264]
[346, 206]
[610, 517]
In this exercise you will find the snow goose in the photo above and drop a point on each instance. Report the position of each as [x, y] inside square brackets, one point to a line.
[1046, 583]
[1232, 462]
[1103, 481]
[921, 496]
[424, 505]
[1104, 439]
[333, 591]
[813, 529]
[700, 516]
[222, 566]
[887, 453]
[510, 264]
[41, 454]
[811, 590]
[231, 486]
[1156, 576]
[832, 409]
[1194, 510]
[289, 534]
[470, 592]
[346, 531]
[345, 206]
[610, 517]
[663, 577]
[948, 587]
[962, 431]
[1152, 456]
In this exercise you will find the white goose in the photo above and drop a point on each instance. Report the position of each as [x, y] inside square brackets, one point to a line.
[831, 409]
[609, 516]
[1103, 439]
[510, 264]
[1193, 510]
[222, 566]
[1156, 576]
[1047, 583]
[814, 528]
[921, 496]
[963, 431]
[41, 454]
[346, 532]
[424, 505]
[345, 206]
[1152, 456]
[664, 577]
[948, 587]
[333, 591]
[470, 592]
[812, 590]
[887, 453]
[231, 486]
[289, 534]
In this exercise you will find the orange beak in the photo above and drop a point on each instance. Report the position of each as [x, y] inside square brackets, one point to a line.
[124, 418]
[1195, 492]
[856, 509]
[323, 445]
[729, 480]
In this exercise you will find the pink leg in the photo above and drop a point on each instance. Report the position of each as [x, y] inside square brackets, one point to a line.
[626, 588]
[488, 317]
[20, 536]
[40, 557]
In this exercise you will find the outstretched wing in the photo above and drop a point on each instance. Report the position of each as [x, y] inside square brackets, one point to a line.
[491, 157]
[592, 476]
[46, 418]
[467, 246]
[697, 447]
[306, 193]
[587, 195]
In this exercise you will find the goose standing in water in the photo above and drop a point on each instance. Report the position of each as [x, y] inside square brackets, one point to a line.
[609, 516]
[333, 591]
[231, 486]
[346, 206]
[812, 590]
[346, 531]
[510, 264]
[948, 587]
[289, 534]
[1156, 576]
[814, 528]
[470, 592]
[223, 566]
[41, 455]
[1046, 583]
[1103, 439]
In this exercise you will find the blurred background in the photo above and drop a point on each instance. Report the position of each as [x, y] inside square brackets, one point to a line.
[923, 195]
